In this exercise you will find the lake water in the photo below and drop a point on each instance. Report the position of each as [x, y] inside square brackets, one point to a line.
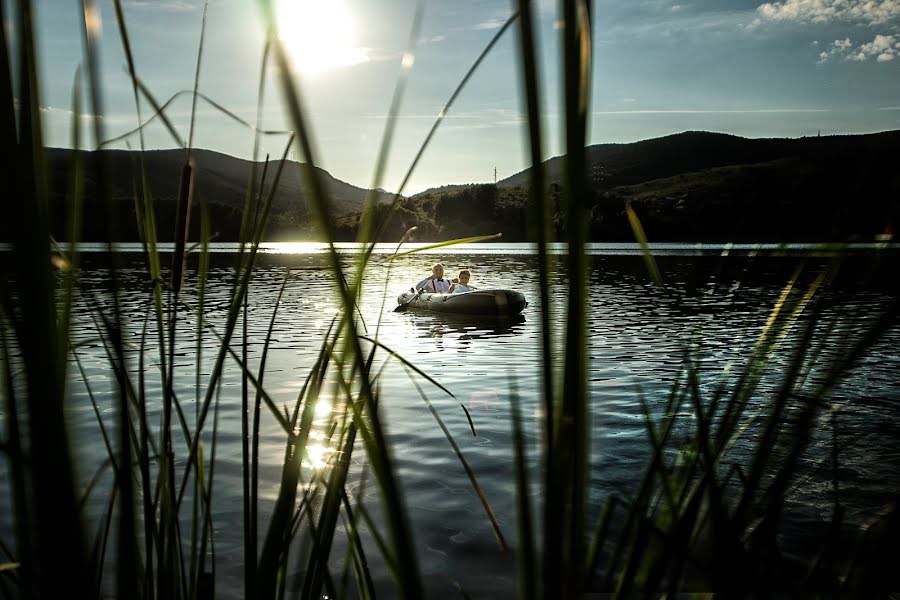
[718, 299]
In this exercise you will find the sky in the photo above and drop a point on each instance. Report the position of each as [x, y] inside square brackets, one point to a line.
[787, 68]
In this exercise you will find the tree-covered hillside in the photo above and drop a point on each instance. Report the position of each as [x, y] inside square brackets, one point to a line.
[692, 187]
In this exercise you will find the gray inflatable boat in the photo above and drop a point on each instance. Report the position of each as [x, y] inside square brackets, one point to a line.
[477, 302]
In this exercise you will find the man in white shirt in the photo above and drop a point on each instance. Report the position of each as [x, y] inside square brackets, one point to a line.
[436, 283]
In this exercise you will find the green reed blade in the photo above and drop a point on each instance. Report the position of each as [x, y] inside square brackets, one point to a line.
[753, 366]
[658, 444]
[566, 475]
[443, 113]
[245, 371]
[599, 538]
[469, 240]
[197, 76]
[364, 584]
[8, 104]
[380, 542]
[770, 433]
[273, 555]
[351, 562]
[317, 565]
[408, 365]
[202, 276]
[638, 230]
[110, 453]
[127, 538]
[250, 528]
[324, 572]
[160, 111]
[57, 536]
[538, 206]
[10, 566]
[202, 577]
[526, 553]
[184, 201]
[150, 533]
[74, 215]
[129, 61]
[469, 419]
[242, 282]
[98, 553]
[368, 213]
[16, 453]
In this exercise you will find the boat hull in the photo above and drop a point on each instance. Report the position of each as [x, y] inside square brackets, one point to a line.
[476, 303]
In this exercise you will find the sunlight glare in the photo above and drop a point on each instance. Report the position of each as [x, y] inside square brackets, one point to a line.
[316, 455]
[319, 36]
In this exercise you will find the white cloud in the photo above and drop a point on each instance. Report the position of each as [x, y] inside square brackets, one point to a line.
[167, 5]
[490, 24]
[693, 111]
[883, 48]
[432, 40]
[871, 12]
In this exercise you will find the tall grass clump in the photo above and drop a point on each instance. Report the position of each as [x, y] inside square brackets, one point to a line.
[700, 520]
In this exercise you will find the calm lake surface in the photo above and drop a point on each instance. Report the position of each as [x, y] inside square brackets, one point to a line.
[717, 301]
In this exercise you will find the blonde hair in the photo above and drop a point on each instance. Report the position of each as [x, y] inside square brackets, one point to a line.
[464, 272]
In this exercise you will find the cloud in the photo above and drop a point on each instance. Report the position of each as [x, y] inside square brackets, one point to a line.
[869, 12]
[490, 24]
[423, 41]
[485, 118]
[691, 111]
[167, 5]
[883, 48]
[53, 110]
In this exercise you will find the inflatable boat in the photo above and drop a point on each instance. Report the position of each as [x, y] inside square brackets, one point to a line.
[477, 302]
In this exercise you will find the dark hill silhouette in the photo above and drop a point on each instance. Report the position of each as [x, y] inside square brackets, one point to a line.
[628, 164]
[450, 187]
[693, 186]
[221, 180]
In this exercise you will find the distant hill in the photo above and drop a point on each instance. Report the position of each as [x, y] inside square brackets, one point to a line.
[220, 180]
[625, 164]
[444, 189]
[692, 186]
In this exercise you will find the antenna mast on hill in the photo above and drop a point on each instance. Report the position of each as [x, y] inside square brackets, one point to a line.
[495, 174]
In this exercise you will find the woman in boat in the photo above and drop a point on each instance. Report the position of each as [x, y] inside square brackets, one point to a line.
[462, 285]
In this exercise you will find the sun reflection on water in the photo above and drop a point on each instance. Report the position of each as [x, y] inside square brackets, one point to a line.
[317, 456]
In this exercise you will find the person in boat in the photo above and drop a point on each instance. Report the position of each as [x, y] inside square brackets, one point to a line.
[461, 284]
[436, 282]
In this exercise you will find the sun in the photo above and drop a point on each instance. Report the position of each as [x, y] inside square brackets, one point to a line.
[319, 35]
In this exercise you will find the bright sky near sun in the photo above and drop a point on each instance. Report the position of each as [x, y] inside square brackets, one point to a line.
[785, 68]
